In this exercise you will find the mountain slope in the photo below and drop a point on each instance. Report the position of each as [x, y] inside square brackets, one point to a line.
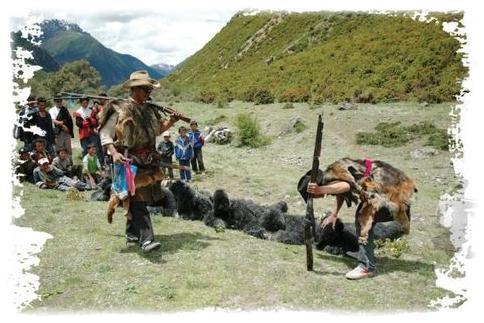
[328, 57]
[163, 69]
[67, 43]
[40, 56]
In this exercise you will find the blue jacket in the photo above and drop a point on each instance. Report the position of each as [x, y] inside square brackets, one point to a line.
[183, 148]
[196, 138]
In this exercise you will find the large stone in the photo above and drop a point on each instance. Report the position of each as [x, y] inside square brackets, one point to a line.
[290, 125]
[424, 152]
[347, 106]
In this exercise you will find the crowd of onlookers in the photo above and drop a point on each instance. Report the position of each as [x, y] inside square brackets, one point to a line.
[46, 156]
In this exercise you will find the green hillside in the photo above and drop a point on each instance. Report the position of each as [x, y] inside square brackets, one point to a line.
[325, 56]
[40, 56]
[67, 44]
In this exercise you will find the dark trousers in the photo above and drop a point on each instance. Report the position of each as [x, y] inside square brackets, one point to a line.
[168, 161]
[185, 174]
[140, 225]
[366, 253]
[197, 158]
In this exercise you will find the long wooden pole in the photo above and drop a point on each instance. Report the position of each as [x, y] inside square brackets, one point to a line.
[310, 223]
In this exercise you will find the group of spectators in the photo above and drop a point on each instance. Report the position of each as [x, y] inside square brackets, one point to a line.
[46, 156]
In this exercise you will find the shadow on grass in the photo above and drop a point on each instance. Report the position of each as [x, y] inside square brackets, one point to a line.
[384, 264]
[171, 244]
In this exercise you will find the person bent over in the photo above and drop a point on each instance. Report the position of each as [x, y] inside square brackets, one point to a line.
[366, 255]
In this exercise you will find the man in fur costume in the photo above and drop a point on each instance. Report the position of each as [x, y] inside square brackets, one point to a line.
[382, 191]
[128, 130]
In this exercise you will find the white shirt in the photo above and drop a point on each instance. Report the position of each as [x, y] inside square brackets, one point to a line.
[54, 112]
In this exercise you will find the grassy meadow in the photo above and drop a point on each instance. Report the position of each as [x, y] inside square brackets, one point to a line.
[87, 266]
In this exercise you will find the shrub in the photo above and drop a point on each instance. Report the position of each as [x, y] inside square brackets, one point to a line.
[263, 97]
[221, 104]
[207, 97]
[249, 131]
[299, 126]
[440, 139]
[258, 96]
[386, 135]
[295, 94]
[393, 134]
[393, 248]
[288, 106]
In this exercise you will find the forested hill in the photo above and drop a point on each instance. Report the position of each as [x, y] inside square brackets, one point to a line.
[67, 42]
[324, 56]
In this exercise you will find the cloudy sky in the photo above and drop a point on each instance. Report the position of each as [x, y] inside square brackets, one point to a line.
[154, 37]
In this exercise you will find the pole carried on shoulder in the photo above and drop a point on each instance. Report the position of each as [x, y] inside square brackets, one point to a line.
[310, 223]
[163, 109]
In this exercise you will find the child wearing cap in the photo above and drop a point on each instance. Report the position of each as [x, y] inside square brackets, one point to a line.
[47, 176]
[184, 153]
[166, 149]
[24, 166]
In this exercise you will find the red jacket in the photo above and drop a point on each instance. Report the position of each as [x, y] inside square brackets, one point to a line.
[86, 125]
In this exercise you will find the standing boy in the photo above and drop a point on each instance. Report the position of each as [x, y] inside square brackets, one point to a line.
[184, 153]
[198, 142]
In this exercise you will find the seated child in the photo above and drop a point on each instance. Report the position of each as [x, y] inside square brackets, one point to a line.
[47, 176]
[64, 162]
[24, 166]
[40, 150]
[91, 167]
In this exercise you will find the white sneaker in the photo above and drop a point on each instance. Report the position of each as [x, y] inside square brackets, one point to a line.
[360, 273]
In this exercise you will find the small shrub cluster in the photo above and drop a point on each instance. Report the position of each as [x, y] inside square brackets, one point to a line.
[249, 131]
[288, 106]
[393, 134]
[207, 97]
[258, 96]
[295, 94]
[393, 248]
[222, 104]
[299, 126]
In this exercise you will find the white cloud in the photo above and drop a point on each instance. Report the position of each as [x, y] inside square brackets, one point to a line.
[154, 37]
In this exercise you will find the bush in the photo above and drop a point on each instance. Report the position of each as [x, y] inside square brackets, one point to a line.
[249, 131]
[258, 96]
[207, 97]
[299, 126]
[288, 106]
[295, 94]
[263, 97]
[393, 248]
[221, 104]
[393, 134]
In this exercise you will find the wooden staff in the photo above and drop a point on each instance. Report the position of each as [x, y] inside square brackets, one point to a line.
[310, 223]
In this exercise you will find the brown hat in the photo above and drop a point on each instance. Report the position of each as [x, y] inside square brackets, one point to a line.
[140, 78]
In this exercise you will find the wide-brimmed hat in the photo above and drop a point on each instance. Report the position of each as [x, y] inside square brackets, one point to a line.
[140, 78]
